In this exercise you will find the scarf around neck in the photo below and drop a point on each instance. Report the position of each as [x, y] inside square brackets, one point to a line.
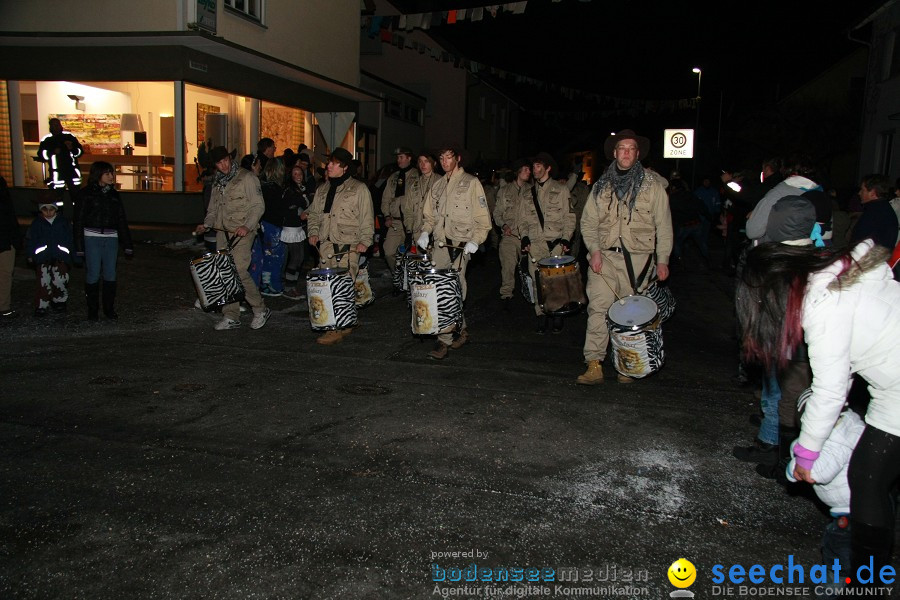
[626, 185]
[222, 179]
[334, 184]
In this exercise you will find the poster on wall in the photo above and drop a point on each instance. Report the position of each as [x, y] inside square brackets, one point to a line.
[202, 111]
[97, 133]
[279, 124]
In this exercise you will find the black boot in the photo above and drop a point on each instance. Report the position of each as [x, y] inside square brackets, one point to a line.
[869, 543]
[92, 295]
[109, 299]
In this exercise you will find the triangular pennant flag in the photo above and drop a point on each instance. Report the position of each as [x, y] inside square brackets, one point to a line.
[451, 17]
[461, 14]
[477, 14]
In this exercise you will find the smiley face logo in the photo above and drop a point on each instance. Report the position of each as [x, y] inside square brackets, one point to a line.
[682, 573]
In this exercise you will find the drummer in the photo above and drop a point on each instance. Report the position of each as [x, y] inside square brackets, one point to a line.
[456, 214]
[545, 224]
[506, 213]
[341, 223]
[417, 191]
[627, 212]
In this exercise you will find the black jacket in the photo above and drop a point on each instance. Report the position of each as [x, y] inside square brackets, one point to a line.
[101, 209]
[10, 233]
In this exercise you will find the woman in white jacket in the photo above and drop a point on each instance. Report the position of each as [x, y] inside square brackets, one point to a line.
[847, 307]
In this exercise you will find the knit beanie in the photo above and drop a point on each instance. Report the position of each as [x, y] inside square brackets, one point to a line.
[791, 221]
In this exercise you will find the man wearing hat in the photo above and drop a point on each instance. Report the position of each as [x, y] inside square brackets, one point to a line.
[627, 230]
[546, 224]
[235, 208]
[392, 205]
[456, 215]
[341, 223]
[506, 214]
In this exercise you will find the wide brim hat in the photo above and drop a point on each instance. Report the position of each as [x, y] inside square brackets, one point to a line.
[517, 164]
[626, 134]
[220, 152]
[546, 159]
[404, 150]
[342, 154]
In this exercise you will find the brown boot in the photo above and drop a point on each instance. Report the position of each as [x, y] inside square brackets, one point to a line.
[461, 340]
[440, 352]
[624, 378]
[345, 332]
[593, 375]
[330, 338]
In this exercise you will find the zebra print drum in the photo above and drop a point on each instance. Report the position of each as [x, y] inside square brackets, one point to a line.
[414, 264]
[332, 299]
[665, 300]
[526, 280]
[216, 279]
[363, 289]
[399, 274]
[635, 331]
[437, 302]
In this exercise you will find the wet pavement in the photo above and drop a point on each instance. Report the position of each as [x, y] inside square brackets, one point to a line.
[154, 457]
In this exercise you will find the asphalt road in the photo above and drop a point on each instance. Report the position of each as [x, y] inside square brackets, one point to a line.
[157, 458]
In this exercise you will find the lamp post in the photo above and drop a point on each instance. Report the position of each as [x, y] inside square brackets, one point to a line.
[699, 73]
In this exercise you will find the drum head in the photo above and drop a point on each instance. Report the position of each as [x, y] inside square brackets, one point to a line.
[328, 272]
[556, 261]
[633, 312]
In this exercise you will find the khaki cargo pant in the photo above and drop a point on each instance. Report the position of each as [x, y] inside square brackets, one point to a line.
[392, 240]
[241, 255]
[509, 251]
[601, 297]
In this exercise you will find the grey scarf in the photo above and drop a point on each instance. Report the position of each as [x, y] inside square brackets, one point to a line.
[625, 185]
[222, 179]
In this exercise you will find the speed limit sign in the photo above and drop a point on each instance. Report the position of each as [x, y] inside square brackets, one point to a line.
[678, 143]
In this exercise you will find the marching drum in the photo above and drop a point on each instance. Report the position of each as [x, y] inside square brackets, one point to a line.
[332, 299]
[399, 275]
[437, 302]
[216, 279]
[636, 335]
[560, 290]
[363, 289]
[413, 264]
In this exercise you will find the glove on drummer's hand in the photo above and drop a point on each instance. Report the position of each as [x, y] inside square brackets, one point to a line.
[422, 242]
[471, 248]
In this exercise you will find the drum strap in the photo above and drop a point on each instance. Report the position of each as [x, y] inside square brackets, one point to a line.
[537, 205]
[627, 255]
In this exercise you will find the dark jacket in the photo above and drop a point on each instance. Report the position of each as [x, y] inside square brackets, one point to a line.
[276, 206]
[49, 242]
[879, 222]
[100, 209]
[297, 201]
[10, 233]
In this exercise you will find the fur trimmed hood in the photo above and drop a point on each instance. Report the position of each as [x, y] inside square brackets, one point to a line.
[867, 257]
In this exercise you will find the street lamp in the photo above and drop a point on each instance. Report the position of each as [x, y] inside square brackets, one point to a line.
[699, 73]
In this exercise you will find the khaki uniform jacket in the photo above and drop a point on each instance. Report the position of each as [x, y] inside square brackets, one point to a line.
[650, 228]
[240, 204]
[351, 220]
[414, 202]
[457, 210]
[391, 205]
[506, 212]
[559, 220]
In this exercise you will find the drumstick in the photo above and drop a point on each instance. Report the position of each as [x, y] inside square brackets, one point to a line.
[444, 245]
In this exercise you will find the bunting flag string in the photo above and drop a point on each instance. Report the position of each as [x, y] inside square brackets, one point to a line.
[393, 30]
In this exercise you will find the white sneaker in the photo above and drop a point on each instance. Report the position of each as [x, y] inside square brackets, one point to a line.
[227, 323]
[260, 319]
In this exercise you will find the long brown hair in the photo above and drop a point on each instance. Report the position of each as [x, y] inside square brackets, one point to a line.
[769, 298]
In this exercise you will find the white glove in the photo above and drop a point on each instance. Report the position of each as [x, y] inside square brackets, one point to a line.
[422, 242]
[471, 248]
